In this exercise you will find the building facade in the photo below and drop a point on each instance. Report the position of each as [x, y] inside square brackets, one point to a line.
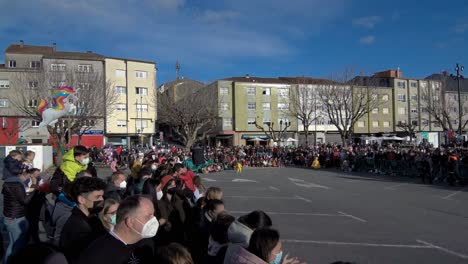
[131, 119]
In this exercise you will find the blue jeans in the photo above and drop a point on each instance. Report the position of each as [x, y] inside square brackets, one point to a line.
[18, 235]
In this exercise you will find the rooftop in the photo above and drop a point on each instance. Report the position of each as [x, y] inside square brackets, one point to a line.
[51, 52]
[253, 79]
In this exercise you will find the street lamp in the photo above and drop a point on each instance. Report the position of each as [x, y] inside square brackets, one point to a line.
[459, 68]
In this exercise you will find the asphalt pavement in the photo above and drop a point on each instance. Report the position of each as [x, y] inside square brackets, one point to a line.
[327, 216]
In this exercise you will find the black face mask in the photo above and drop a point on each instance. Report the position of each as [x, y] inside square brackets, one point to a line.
[171, 191]
[97, 207]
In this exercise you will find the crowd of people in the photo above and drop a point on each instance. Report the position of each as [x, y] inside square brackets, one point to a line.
[160, 213]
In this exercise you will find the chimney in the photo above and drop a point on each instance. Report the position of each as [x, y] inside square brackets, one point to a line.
[21, 43]
[54, 46]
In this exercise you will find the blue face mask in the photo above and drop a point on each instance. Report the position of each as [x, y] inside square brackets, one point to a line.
[278, 258]
[113, 219]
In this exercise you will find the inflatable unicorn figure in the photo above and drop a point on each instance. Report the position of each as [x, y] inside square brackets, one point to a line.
[62, 104]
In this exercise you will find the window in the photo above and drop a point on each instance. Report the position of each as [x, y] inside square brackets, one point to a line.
[414, 84]
[435, 98]
[402, 97]
[120, 73]
[224, 91]
[283, 121]
[386, 124]
[414, 110]
[425, 122]
[57, 84]
[375, 123]
[401, 84]
[4, 84]
[4, 103]
[436, 124]
[402, 122]
[266, 91]
[58, 67]
[33, 84]
[401, 110]
[12, 64]
[360, 123]
[283, 106]
[85, 68]
[142, 91]
[250, 90]
[251, 121]
[283, 92]
[121, 89]
[142, 108]
[121, 107]
[35, 123]
[35, 64]
[251, 106]
[374, 97]
[424, 110]
[414, 97]
[375, 111]
[266, 106]
[141, 74]
[89, 123]
[227, 122]
[121, 123]
[414, 122]
[32, 103]
[224, 106]
[266, 121]
[385, 111]
[385, 97]
[455, 110]
[141, 124]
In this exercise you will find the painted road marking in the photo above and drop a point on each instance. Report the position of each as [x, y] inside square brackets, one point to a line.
[453, 194]
[296, 214]
[243, 180]
[393, 187]
[303, 199]
[305, 184]
[208, 179]
[274, 188]
[448, 251]
[337, 243]
[262, 197]
[352, 216]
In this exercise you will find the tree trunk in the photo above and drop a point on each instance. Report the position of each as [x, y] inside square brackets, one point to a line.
[80, 137]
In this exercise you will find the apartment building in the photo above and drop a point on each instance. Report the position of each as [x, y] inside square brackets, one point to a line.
[131, 120]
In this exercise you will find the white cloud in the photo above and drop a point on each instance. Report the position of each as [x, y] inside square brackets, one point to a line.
[367, 22]
[367, 40]
[212, 16]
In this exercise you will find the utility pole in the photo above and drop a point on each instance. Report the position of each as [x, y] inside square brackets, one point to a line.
[177, 67]
[459, 69]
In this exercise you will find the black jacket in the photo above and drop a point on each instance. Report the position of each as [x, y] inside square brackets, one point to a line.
[113, 192]
[14, 198]
[12, 167]
[58, 180]
[77, 234]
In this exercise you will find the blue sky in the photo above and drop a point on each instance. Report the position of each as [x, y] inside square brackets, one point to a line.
[221, 38]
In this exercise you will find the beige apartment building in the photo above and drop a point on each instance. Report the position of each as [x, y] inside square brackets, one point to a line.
[131, 120]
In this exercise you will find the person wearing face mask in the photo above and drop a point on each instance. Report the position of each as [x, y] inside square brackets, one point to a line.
[78, 230]
[13, 166]
[14, 211]
[129, 241]
[264, 248]
[74, 161]
[108, 215]
[153, 189]
[116, 186]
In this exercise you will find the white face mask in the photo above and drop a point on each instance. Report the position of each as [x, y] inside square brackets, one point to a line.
[123, 185]
[154, 157]
[149, 229]
[85, 161]
[154, 167]
[159, 195]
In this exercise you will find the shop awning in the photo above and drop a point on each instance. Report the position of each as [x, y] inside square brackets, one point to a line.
[252, 136]
[224, 136]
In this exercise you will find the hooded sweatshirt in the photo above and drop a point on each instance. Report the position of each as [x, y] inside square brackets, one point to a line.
[70, 167]
[239, 233]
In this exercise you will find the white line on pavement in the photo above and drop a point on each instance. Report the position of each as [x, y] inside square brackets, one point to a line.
[448, 251]
[274, 188]
[336, 243]
[303, 199]
[243, 180]
[208, 179]
[393, 187]
[262, 197]
[305, 184]
[297, 214]
[453, 194]
[352, 216]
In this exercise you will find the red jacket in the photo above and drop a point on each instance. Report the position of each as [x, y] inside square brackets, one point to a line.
[188, 179]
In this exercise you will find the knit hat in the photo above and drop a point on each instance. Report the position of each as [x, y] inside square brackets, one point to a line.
[165, 180]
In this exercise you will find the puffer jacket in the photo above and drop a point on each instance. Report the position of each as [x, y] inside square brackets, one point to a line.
[12, 167]
[14, 198]
[239, 233]
[60, 214]
[236, 254]
[66, 172]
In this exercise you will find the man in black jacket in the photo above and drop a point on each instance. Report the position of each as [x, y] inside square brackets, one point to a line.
[78, 233]
[115, 187]
[130, 241]
[12, 164]
[14, 210]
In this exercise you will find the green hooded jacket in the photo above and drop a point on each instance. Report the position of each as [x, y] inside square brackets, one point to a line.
[70, 166]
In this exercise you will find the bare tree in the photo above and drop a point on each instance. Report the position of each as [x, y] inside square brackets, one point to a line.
[409, 128]
[441, 103]
[190, 117]
[273, 134]
[95, 99]
[347, 101]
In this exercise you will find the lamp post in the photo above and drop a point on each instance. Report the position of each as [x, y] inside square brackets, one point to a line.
[459, 68]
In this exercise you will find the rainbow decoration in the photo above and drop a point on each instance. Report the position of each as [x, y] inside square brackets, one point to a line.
[59, 95]
[42, 106]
